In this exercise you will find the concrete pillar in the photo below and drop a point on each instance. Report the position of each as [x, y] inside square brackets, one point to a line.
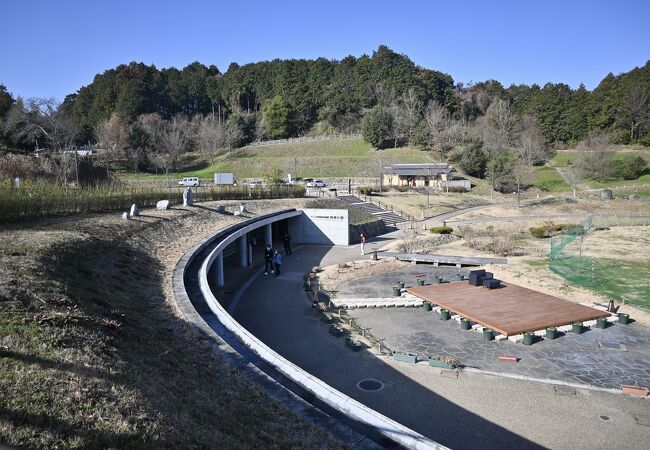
[243, 251]
[250, 255]
[268, 235]
[219, 269]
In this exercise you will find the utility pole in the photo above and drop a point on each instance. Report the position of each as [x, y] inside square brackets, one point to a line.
[381, 176]
[428, 186]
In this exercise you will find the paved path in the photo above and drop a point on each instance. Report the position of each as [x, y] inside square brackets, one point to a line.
[460, 411]
[619, 354]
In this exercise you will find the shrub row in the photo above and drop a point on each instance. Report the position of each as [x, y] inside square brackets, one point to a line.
[54, 200]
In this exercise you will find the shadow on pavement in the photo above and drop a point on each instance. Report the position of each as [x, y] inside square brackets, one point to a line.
[279, 313]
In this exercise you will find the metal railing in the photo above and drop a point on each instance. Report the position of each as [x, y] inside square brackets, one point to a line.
[386, 206]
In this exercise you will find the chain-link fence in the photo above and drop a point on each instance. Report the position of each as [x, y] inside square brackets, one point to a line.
[625, 280]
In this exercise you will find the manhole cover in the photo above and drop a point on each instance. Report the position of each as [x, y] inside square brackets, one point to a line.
[370, 385]
[604, 417]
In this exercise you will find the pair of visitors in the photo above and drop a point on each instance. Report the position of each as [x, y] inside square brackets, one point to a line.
[272, 260]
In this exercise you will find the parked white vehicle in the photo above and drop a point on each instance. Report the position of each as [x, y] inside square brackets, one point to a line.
[189, 181]
[315, 183]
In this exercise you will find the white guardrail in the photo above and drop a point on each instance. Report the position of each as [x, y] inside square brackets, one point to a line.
[334, 398]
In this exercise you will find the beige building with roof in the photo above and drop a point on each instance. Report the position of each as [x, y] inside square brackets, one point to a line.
[418, 175]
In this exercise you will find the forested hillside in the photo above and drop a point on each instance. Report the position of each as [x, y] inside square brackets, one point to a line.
[144, 118]
[281, 98]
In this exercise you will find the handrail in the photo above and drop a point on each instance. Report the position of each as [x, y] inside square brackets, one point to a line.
[398, 211]
[336, 399]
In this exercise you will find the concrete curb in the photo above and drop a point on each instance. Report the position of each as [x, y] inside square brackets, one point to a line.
[550, 381]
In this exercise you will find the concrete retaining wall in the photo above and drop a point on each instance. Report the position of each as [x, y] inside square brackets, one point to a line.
[370, 229]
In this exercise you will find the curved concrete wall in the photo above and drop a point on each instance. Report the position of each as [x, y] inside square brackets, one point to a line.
[336, 399]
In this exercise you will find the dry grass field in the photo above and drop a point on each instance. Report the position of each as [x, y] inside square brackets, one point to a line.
[93, 353]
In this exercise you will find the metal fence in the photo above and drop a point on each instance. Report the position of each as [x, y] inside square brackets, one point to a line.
[621, 279]
[330, 137]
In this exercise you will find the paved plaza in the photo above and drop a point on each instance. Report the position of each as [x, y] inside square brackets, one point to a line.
[604, 358]
[442, 405]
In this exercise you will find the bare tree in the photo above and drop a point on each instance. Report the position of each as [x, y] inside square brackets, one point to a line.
[573, 175]
[113, 138]
[211, 135]
[634, 111]
[41, 121]
[408, 242]
[531, 148]
[595, 155]
[172, 141]
[437, 121]
[398, 124]
[410, 108]
[499, 123]
[521, 174]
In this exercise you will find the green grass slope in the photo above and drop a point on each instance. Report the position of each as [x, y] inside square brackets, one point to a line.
[326, 159]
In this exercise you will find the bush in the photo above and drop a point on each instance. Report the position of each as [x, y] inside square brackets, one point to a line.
[550, 229]
[366, 190]
[539, 232]
[441, 230]
[457, 189]
[401, 188]
[633, 168]
[474, 161]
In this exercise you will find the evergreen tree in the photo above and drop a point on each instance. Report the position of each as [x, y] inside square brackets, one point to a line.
[377, 127]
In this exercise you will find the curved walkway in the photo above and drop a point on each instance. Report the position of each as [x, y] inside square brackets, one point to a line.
[357, 425]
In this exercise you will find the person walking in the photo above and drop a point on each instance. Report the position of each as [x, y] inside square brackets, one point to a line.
[287, 244]
[268, 260]
[363, 243]
[277, 262]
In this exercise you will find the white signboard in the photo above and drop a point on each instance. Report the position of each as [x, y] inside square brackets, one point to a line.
[321, 226]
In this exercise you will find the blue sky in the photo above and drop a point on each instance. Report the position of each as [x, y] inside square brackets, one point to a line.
[52, 48]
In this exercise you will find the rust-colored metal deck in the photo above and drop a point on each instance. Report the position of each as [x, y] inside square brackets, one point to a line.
[509, 310]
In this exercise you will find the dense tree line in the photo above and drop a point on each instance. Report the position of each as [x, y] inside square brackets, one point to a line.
[299, 93]
[147, 116]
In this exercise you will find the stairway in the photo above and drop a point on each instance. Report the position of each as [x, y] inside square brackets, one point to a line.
[390, 218]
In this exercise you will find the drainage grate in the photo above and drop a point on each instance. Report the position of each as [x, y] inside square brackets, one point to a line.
[611, 346]
[565, 391]
[370, 385]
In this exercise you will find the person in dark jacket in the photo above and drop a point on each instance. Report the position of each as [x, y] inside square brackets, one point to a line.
[268, 260]
[287, 244]
[277, 262]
